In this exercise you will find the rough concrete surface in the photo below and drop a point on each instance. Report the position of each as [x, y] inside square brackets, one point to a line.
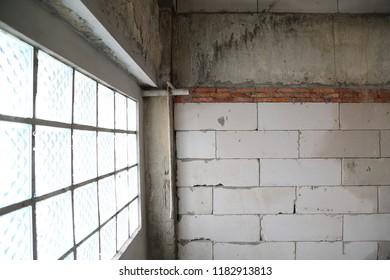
[281, 49]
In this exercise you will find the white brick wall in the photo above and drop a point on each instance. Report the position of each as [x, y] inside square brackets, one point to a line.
[230, 173]
[367, 227]
[195, 250]
[229, 228]
[365, 116]
[301, 228]
[295, 116]
[366, 171]
[330, 144]
[336, 251]
[300, 172]
[337, 200]
[283, 181]
[384, 199]
[257, 251]
[224, 116]
[254, 201]
[195, 144]
[257, 144]
[195, 200]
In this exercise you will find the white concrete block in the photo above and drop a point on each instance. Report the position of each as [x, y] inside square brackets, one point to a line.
[257, 144]
[256, 251]
[385, 143]
[298, 116]
[195, 250]
[195, 144]
[233, 172]
[272, 200]
[195, 200]
[336, 200]
[216, 6]
[327, 144]
[364, 6]
[372, 227]
[384, 251]
[366, 171]
[384, 199]
[365, 115]
[215, 116]
[301, 228]
[300, 6]
[229, 228]
[336, 250]
[300, 172]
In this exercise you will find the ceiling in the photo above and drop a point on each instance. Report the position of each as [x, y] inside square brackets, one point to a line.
[279, 6]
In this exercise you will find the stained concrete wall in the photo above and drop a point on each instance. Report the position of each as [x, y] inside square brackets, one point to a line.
[284, 49]
[283, 180]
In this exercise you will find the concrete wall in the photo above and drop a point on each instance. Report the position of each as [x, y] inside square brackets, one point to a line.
[283, 180]
[281, 49]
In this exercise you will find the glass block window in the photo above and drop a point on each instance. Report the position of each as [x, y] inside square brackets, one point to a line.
[68, 160]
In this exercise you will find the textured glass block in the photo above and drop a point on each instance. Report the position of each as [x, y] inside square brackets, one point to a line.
[54, 226]
[107, 202]
[89, 250]
[122, 189]
[131, 114]
[105, 107]
[69, 257]
[84, 100]
[15, 162]
[132, 149]
[122, 227]
[52, 159]
[120, 111]
[134, 216]
[54, 94]
[133, 182]
[16, 76]
[108, 240]
[84, 155]
[85, 210]
[105, 153]
[120, 150]
[16, 235]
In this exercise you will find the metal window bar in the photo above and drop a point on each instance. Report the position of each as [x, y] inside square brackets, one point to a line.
[34, 121]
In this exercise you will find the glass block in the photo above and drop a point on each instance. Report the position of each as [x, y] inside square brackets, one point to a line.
[69, 257]
[16, 76]
[54, 93]
[107, 204]
[54, 226]
[84, 100]
[85, 210]
[105, 107]
[131, 114]
[120, 150]
[15, 162]
[132, 149]
[134, 216]
[16, 235]
[120, 111]
[122, 227]
[122, 189]
[108, 240]
[133, 182]
[105, 153]
[89, 250]
[84, 155]
[52, 159]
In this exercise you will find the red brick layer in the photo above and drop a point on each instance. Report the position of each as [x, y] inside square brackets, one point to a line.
[286, 94]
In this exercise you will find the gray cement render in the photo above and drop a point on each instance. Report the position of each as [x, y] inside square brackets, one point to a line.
[281, 49]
